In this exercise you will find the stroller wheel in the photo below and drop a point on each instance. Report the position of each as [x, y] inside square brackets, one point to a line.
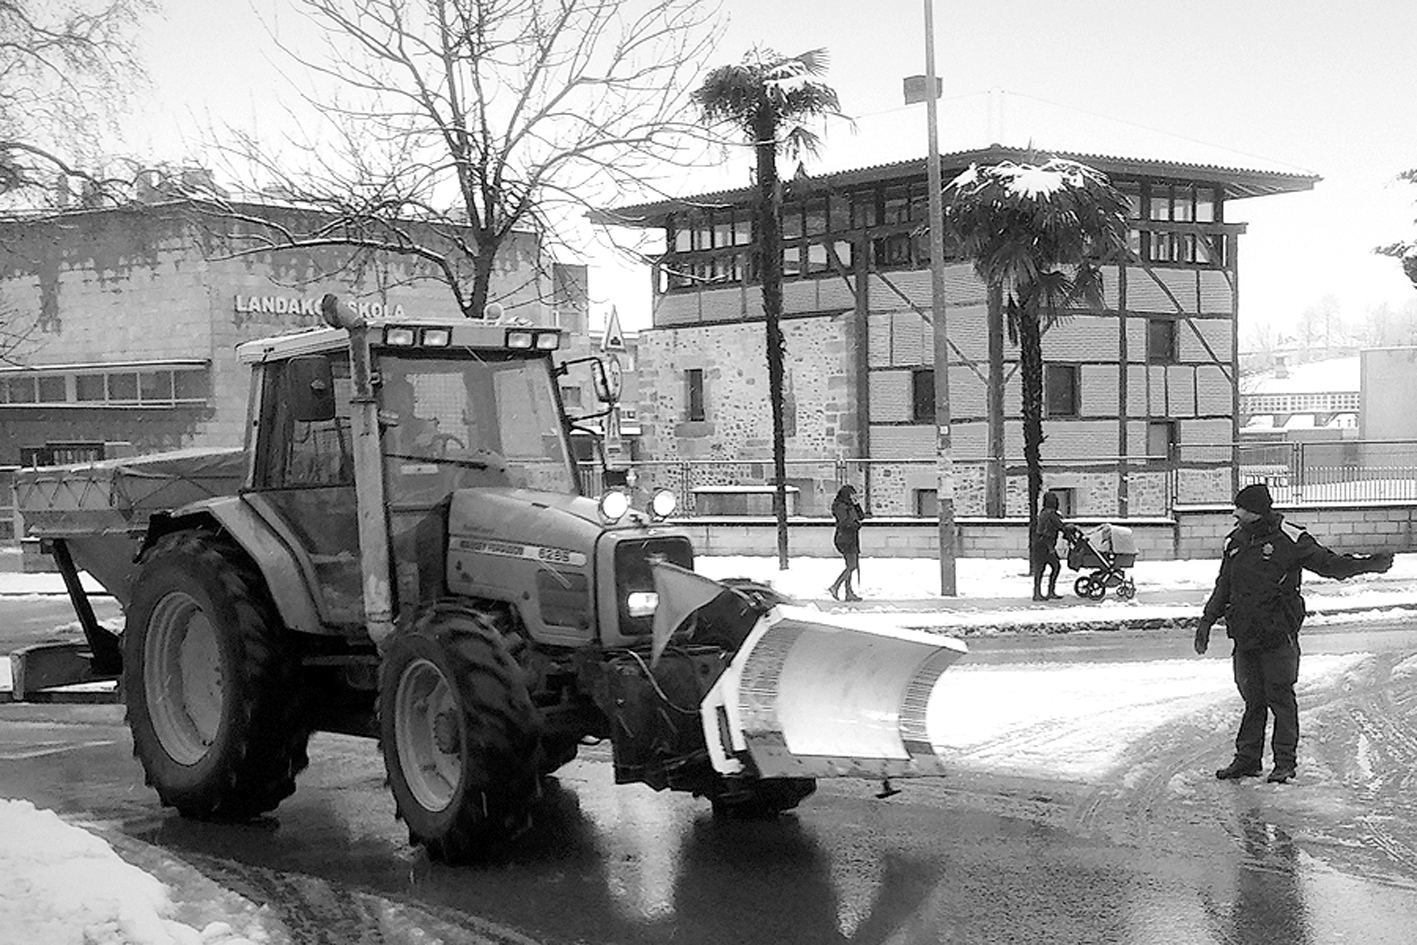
[1082, 587]
[1097, 589]
[1126, 590]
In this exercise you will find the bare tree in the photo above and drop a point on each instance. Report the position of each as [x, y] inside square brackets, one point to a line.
[66, 69]
[445, 126]
[1404, 251]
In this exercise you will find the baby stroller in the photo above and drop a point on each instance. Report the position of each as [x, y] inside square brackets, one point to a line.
[1108, 550]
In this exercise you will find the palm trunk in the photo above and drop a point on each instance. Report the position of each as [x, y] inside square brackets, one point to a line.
[1030, 344]
[994, 482]
[770, 242]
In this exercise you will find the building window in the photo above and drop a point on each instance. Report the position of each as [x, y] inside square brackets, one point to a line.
[1067, 501]
[1060, 390]
[93, 387]
[1161, 347]
[927, 503]
[922, 396]
[1160, 439]
[891, 252]
[571, 397]
[694, 394]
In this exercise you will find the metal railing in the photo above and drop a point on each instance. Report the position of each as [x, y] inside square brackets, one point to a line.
[1298, 473]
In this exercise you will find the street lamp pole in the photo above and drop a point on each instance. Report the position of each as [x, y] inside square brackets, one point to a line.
[944, 488]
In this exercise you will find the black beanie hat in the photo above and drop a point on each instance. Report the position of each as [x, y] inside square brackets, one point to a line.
[1255, 498]
[1050, 501]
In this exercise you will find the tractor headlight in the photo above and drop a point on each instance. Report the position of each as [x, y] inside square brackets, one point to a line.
[663, 504]
[614, 505]
[642, 603]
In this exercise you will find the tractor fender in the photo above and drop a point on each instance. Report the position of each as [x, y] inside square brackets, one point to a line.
[271, 555]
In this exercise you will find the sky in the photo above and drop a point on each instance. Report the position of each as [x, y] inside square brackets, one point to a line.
[1309, 85]
[65, 881]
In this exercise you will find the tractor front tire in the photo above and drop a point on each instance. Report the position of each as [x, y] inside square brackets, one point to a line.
[211, 682]
[459, 735]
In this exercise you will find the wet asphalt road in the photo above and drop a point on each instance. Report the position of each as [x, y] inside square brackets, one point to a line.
[1155, 852]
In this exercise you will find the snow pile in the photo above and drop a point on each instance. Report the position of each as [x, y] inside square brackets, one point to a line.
[60, 885]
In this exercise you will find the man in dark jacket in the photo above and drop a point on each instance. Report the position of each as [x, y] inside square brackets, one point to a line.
[1257, 593]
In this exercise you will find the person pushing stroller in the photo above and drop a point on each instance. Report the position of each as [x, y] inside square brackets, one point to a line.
[1044, 547]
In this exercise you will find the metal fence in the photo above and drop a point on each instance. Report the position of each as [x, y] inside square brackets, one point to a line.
[1332, 471]
[1298, 473]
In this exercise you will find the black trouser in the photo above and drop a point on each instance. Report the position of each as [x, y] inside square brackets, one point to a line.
[1045, 557]
[1266, 680]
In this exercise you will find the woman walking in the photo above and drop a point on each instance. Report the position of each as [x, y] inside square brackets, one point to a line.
[848, 514]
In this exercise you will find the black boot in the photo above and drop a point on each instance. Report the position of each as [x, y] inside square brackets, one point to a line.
[1053, 588]
[1239, 768]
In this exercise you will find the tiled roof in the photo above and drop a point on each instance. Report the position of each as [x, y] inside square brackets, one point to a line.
[984, 128]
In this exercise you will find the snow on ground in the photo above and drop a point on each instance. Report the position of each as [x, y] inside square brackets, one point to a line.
[1003, 584]
[61, 884]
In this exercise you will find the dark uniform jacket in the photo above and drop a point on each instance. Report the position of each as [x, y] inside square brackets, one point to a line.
[1257, 591]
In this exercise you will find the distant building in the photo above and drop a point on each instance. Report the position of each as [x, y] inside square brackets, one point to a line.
[1312, 395]
[1131, 392]
[1389, 382]
[136, 311]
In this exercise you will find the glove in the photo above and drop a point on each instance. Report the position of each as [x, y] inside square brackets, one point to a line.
[1202, 637]
[1380, 563]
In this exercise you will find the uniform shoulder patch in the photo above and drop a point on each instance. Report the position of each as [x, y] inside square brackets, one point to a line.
[1293, 532]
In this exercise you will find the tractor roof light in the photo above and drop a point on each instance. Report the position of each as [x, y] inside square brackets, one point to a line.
[548, 340]
[437, 337]
[519, 339]
[401, 336]
[613, 505]
[663, 504]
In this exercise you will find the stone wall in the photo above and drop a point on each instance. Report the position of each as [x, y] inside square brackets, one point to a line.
[1194, 532]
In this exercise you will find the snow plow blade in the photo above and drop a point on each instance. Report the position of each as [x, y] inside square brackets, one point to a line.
[808, 697]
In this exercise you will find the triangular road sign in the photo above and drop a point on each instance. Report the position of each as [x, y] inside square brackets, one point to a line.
[614, 339]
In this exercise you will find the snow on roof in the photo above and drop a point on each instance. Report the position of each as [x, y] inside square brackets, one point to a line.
[894, 143]
[1330, 376]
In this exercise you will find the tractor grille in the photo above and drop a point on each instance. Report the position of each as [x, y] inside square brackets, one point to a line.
[564, 598]
[632, 574]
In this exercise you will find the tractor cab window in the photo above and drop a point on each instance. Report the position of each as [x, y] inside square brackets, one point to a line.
[307, 453]
[487, 421]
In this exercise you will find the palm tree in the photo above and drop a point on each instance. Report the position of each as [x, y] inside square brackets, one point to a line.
[768, 98]
[1037, 231]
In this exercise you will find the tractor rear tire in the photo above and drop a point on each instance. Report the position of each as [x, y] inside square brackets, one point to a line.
[459, 735]
[759, 799]
[211, 682]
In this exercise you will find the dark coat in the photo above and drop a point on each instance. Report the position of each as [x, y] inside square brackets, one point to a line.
[849, 515]
[1257, 591]
[1047, 527]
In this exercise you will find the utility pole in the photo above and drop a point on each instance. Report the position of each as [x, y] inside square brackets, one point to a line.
[945, 487]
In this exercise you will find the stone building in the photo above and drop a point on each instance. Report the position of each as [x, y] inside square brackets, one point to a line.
[1140, 398]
